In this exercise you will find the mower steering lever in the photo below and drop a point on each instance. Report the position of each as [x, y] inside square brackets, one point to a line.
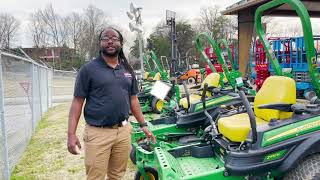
[187, 94]
[203, 99]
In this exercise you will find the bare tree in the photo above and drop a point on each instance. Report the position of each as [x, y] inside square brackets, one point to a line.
[94, 22]
[53, 23]
[75, 28]
[49, 29]
[208, 18]
[213, 22]
[283, 29]
[64, 34]
[293, 30]
[270, 26]
[2, 29]
[9, 26]
[38, 30]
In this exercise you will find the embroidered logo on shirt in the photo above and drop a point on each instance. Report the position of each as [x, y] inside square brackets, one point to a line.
[128, 75]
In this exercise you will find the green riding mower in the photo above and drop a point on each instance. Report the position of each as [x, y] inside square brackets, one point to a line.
[149, 72]
[183, 127]
[279, 139]
[148, 102]
[218, 86]
[188, 122]
[191, 103]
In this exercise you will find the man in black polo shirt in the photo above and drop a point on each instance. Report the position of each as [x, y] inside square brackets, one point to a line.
[109, 87]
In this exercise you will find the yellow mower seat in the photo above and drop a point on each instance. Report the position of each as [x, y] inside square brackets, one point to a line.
[237, 127]
[193, 99]
[225, 80]
[212, 80]
[275, 89]
[157, 76]
[146, 75]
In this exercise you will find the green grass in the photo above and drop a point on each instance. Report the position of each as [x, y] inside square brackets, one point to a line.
[46, 156]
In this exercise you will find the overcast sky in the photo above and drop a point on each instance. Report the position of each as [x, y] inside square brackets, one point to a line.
[153, 11]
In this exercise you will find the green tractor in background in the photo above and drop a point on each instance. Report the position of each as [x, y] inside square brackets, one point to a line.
[149, 72]
[279, 139]
[219, 83]
[148, 102]
[187, 124]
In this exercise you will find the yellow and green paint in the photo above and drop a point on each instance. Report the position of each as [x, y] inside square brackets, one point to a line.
[215, 101]
[291, 131]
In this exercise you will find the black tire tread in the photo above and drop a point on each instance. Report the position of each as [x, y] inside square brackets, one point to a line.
[307, 169]
[133, 155]
[194, 80]
[153, 105]
[147, 169]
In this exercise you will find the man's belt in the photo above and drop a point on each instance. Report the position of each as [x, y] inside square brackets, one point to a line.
[115, 126]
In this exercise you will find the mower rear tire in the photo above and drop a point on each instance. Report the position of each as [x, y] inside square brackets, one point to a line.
[307, 169]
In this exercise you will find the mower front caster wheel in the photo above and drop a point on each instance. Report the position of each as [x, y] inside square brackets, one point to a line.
[157, 105]
[133, 157]
[151, 173]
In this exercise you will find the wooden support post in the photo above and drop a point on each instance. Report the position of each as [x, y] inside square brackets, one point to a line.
[246, 26]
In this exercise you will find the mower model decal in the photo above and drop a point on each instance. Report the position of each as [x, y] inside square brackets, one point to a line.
[213, 102]
[290, 131]
[275, 155]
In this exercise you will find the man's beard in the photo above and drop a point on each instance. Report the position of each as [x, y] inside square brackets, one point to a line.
[110, 54]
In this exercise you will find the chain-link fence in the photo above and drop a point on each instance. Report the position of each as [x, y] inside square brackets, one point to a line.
[63, 86]
[27, 90]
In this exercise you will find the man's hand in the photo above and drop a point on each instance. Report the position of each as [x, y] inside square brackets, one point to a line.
[73, 144]
[148, 135]
[136, 111]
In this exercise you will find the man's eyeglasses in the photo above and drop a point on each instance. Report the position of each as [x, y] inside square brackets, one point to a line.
[113, 39]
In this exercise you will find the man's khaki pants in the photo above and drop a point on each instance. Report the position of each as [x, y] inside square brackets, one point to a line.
[106, 151]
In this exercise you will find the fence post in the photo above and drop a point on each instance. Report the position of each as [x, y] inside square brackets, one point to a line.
[52, 86]
[3, 127]
[47, 73]
[40, 94]
[33, 99]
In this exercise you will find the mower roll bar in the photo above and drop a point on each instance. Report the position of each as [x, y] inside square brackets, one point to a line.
[303, 14]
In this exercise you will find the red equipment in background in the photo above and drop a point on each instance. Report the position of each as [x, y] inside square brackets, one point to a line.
[213, 57]
[261, 61]
[261, 64]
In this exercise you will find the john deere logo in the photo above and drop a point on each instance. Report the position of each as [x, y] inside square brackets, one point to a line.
[275, 156]
[296, 130]
[291, 131]
[186, 153]
[309, 126]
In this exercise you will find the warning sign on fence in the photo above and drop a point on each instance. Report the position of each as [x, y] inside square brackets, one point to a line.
[25, 86]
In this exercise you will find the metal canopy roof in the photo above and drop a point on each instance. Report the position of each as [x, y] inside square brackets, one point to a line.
[313, 7]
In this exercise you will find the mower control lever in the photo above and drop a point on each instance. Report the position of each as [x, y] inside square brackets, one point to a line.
[209, 88]
[196, 86]
[296, 108]
[277, 106]
[252, 118]
[187, 94]
[203, 99]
